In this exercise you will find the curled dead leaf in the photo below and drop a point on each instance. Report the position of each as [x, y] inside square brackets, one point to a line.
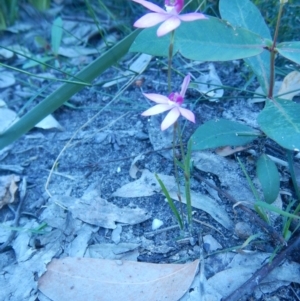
[290, 86]
[228, 150]
[8, 188]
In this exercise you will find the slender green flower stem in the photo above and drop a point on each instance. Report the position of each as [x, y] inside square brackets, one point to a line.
[273, 53]
[186, 165]
[176, 169]
[170, 60]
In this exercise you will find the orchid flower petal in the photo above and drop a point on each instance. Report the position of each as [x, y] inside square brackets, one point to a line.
[169, 25]
[150, 6]
[189, 115]
[170, 119]
[191, 17]
[157, 110]
[157, 98]
[150, 20]
[185, 85]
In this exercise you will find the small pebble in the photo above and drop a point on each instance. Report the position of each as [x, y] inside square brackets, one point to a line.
[243, 230]
[157, 223]
[210, 243]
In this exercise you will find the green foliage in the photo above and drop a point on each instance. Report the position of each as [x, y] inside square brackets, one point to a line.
[40, 4]
[280, 120]
[290, 50]
[268, 176]
[8, 13]
[56, 35]
[245, 14]
[218, 133]
[202, 40]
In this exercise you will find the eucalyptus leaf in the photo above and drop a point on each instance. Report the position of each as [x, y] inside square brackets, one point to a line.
[245, 14]
[280, 121]
[290, 50]
[268, 176]
[203, 40]
[218, 133]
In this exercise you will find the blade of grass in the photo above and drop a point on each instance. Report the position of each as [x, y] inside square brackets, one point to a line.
[275, 209]
[63, 93]
[45, 77]
[261, 213]
[39, 62]
[170, 201]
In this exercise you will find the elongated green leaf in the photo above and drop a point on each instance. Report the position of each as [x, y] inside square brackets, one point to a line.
[170, 201]
[280, 120]
[268, 176]
[245, 14]
[260, 212]
[220, 133]
[63, 93]
[275, 209]
[290, 50]
[56, 35]
[204, 40]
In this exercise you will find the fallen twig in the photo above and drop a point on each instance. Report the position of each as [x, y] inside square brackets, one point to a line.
[22, 193]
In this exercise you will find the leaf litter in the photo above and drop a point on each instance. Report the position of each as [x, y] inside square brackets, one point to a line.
[88, 278]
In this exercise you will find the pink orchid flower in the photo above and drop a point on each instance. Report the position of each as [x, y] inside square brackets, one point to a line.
[172, 103]
[170, 17]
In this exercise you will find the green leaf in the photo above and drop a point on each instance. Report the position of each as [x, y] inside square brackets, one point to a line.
[290, 50]
[260, 212]
[268, 176]
[203, 40]
[56, 35]
[66, 91]
[40, 4]
[280, 121]
[220, 133]
[245, 14]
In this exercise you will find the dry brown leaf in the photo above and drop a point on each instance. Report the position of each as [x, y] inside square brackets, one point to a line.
[8, 188]
[7, 117]
[290, 83]
[146, 185]
[93, 279]
[94, 210]
[133, 168]
[49, 122]
[228, 150]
